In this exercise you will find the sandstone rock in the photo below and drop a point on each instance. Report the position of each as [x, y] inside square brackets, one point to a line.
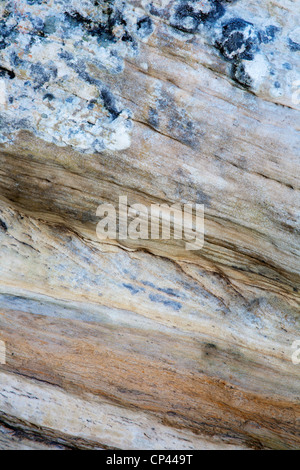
[141, 344]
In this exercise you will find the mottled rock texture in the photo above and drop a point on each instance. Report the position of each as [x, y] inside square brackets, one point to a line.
[141, 344]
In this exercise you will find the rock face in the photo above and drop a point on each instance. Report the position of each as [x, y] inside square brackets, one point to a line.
[141, 344]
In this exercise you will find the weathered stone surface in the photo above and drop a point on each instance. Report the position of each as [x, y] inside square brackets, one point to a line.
[140, 343]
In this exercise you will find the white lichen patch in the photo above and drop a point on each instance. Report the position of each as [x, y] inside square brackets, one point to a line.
[295, 36]
[52, 59]
[258, 70]
[119, 136]
[2, 93]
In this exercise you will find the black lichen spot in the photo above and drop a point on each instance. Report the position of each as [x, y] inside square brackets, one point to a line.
[102, 31]
[210, 346]
[91, 104]
[159, 12]
[15, 60]
[37, 26]
[210, 349]
[110, 103]
[144, 26]
[53, 70]
[153, 118]
[76, 19]
[67, 56]
[3, 225]
[217, 11]
[240, 75]
[3, 44]
[269, 34]
[239, 40]
[189, 15]
[186, 19]
[294, 46]
[5, 73]
[235, 24]
[233, 45]
[40, 74]
[127, 37]
[6, 32]
[35, 2]
[29, 45]
[50, 25]
[49, 97]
